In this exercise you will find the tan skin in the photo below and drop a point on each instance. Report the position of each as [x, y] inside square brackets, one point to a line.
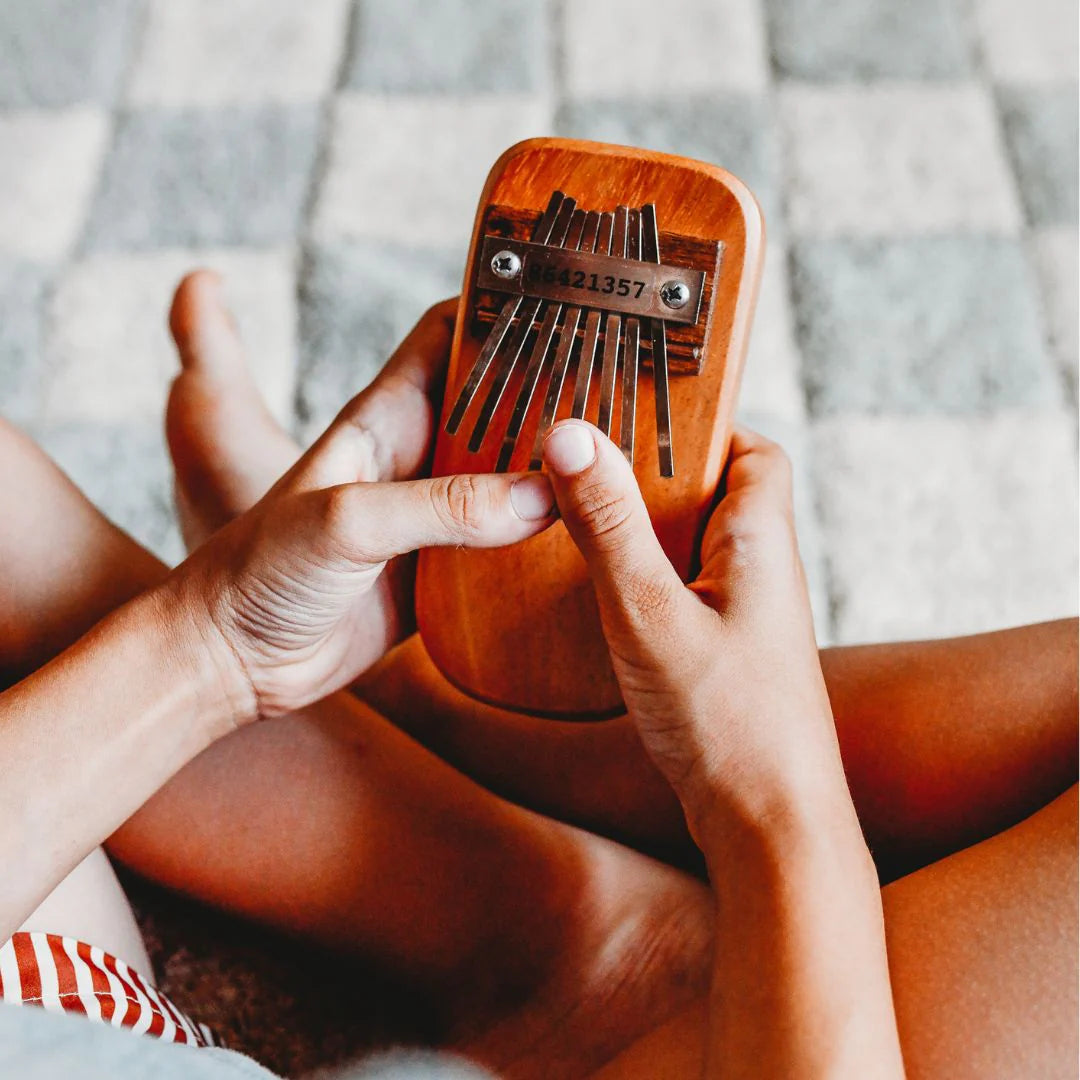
[917, 703]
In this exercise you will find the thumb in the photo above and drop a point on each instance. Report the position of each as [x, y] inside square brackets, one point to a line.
[379, 521]
[637, 588]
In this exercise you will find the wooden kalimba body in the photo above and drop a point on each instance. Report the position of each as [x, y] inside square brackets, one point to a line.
[607, 283]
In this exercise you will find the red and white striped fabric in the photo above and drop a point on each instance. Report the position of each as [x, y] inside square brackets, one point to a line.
[64, 975]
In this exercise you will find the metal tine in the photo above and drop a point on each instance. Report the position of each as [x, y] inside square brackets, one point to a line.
[650, 252]
[541, 234]
[537, 358]
[508, 357]
[631, 349]
[612, 325]
[567, 337]
[591, 334]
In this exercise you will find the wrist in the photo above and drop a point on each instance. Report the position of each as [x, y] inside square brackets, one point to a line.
[225, 697]
[776, 817]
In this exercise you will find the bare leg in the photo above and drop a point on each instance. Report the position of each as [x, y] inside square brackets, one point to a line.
[547, 947]
[982, 952]
[945, 742]
[50, 593]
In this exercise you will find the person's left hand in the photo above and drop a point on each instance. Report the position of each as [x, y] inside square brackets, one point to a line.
[298, 596]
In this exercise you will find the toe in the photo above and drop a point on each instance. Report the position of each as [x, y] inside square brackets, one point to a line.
[202, 326]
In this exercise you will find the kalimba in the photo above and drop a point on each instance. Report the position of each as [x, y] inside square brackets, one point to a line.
[606, 283]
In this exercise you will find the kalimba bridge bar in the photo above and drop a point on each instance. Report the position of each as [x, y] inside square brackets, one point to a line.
[568, 300]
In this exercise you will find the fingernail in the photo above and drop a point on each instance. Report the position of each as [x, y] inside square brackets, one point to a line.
[532, 497]
[569, 448]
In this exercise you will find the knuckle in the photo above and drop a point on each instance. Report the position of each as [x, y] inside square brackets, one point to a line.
[462, 504]
[603, 513]
[338, 510]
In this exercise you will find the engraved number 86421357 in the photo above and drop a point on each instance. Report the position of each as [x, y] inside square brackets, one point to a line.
[552, 274]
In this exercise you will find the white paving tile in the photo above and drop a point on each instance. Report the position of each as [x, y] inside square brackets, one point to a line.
[770, 381]
[895, 158]
[938, 526]
[638, 48]
[1033, 41]
[411, 169]
[109, 357]
[204, 52]
[50, 163]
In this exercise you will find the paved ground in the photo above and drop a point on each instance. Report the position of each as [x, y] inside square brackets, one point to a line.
[916, 343]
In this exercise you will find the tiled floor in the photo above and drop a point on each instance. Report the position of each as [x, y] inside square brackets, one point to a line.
[917, 164]
[916, 345]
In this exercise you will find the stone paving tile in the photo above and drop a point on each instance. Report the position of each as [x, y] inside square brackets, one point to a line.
[64, 52]
[1041, 133]
[771, 383]
[1030, 42]
[734, 132]
[108, 355]
[889, 159]
[188, 178]
[204, 52]
[1055, 254]
[932, 324]
[124, 470]
[51, 161]
[795, 439]
[637, 48]
[459, 46]
[22, 296]
[410, 170]
[353, 313]
[835, 40]
[939, 526]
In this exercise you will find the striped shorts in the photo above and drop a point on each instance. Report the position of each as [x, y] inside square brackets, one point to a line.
[64, 975]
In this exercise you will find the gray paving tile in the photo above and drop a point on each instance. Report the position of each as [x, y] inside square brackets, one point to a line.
[1041, 133]
[1056, 262]
[197, 177]
[357, 301]
[946, 324]
[733, 131]
[63, 52]
[464, 46]
[125, 471]
[22, 301]
[867, 39]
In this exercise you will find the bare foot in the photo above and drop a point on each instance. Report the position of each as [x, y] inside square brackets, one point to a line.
[227, 449]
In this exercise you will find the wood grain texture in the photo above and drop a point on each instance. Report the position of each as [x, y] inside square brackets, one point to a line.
[518, 626]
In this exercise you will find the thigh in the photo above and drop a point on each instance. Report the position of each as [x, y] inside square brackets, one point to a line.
[63, 566]
[89, 905]
[944, 743]
[982, 953]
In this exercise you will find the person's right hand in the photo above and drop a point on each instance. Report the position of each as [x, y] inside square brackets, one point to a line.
[722, 676]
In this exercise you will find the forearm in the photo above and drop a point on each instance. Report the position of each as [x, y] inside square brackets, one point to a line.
[801, 982]
[92, 735]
